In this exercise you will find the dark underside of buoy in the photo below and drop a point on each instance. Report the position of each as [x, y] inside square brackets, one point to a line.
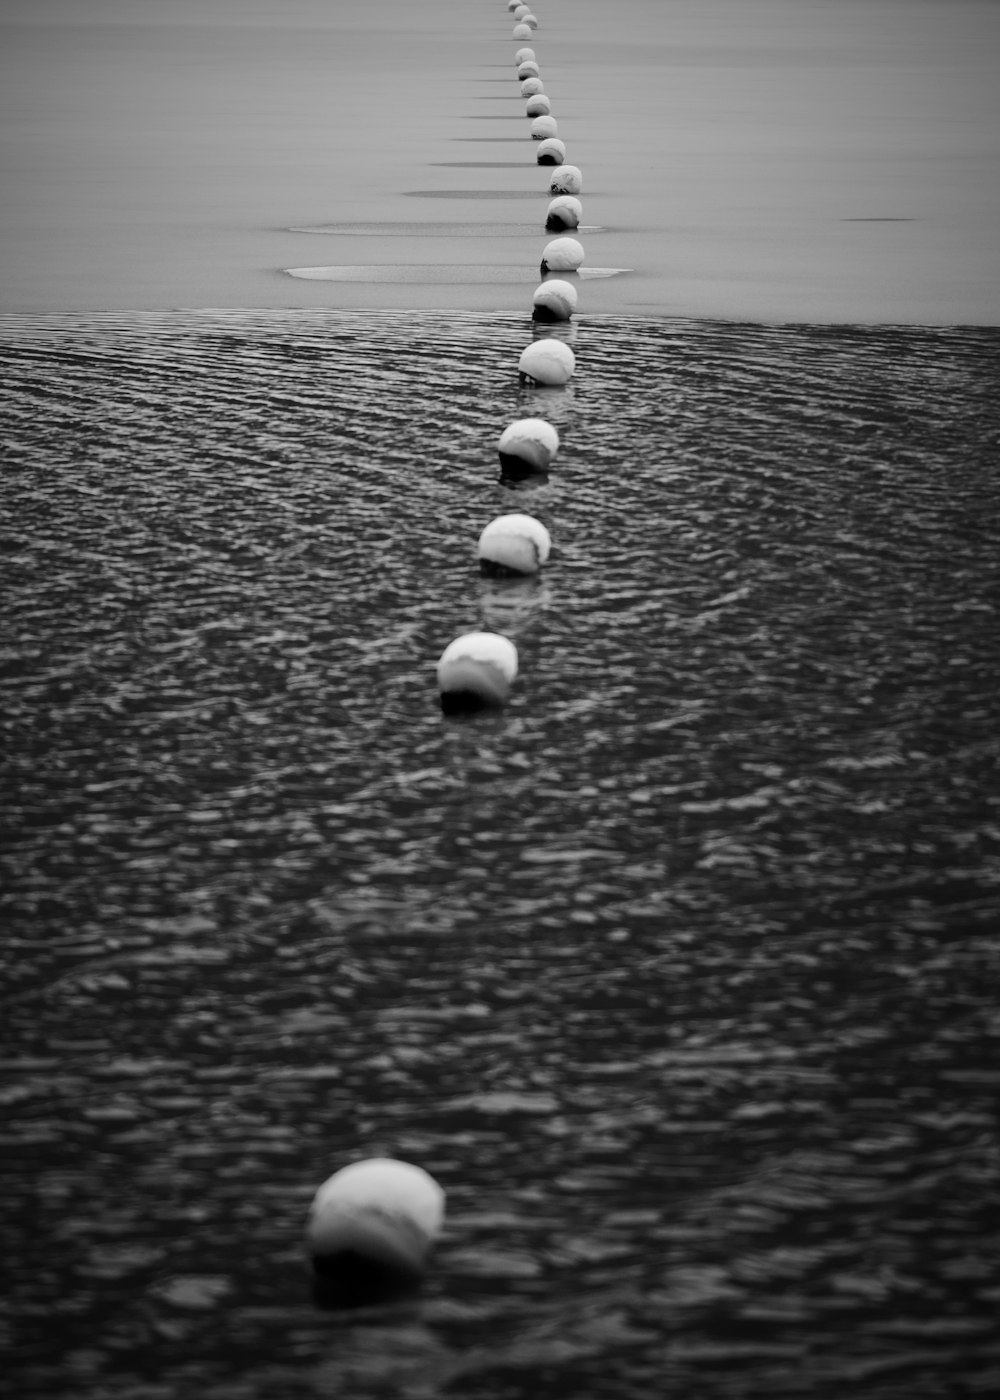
[516, 469]
[466, 702]
[554, 224]
[348, 1279]
[492, 569]
[548, 159]
[545, 313]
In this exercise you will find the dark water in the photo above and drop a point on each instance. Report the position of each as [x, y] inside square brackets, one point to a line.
[680, 976]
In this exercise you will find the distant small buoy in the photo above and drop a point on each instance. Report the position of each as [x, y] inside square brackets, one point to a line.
[566, 180]
[564, 212]
[523, 31]
[538, 105]
[544, 127]
[476, 672]
[520, 10]
[531, 87]
[528, 445]
[513, 5]
[524, 56]
[562, 255]
[529, 20]
[547, 362]
[527, 69]
[513, 544]
[551, 152]
[371, 1227]
[554, 300]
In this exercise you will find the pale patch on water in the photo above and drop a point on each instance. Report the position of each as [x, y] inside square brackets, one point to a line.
[436, 273]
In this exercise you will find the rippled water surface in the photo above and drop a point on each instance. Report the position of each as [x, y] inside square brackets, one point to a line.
[680, 975]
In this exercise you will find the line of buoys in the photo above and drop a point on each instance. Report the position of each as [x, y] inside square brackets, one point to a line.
[477, 670]
[373, 1224]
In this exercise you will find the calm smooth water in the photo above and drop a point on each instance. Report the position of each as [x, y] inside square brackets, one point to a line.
[680, 975]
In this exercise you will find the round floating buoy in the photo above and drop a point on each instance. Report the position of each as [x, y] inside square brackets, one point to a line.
[529, 445]
[524, 56]
[476, 672]
[520, 10]
[563, 212]
[554, 300]
[530, 21]
[548, 363]
[566, 180]
[531, 87]
[523, 31]
[551, 152]
[371, 1227]
[544, 127]
[527, 69]
[562, 255]
[538, 105]
[513, 5]
[513, 544]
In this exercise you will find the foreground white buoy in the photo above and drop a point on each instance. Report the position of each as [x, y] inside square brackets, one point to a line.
[528, 445]
[523, 31]
[537, 106]
[554, 300]
[551, 152]
[476, 672]
[371, 1227]
[549, 363]
[564, 212]
[566, 180]
[562, 255]
[544, 127]
[524, 56]
[514, 544]
[527, 69]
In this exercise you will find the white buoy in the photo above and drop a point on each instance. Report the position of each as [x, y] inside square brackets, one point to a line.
[549, 363]
[530, 21]
[520, 10]
[530, 443]
[544, 127]
[524, 56]
[551, 152]
[476, 672]
[566, 180]
[523, 31]
[537, 106]
[563, 212]
[527, 69]
[562, 255]
[514, 544]
[371, 1226]
[531, 87]
[513, 5]
[554, 300]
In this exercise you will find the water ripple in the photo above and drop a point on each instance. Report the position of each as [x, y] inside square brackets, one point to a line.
[678, 975]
